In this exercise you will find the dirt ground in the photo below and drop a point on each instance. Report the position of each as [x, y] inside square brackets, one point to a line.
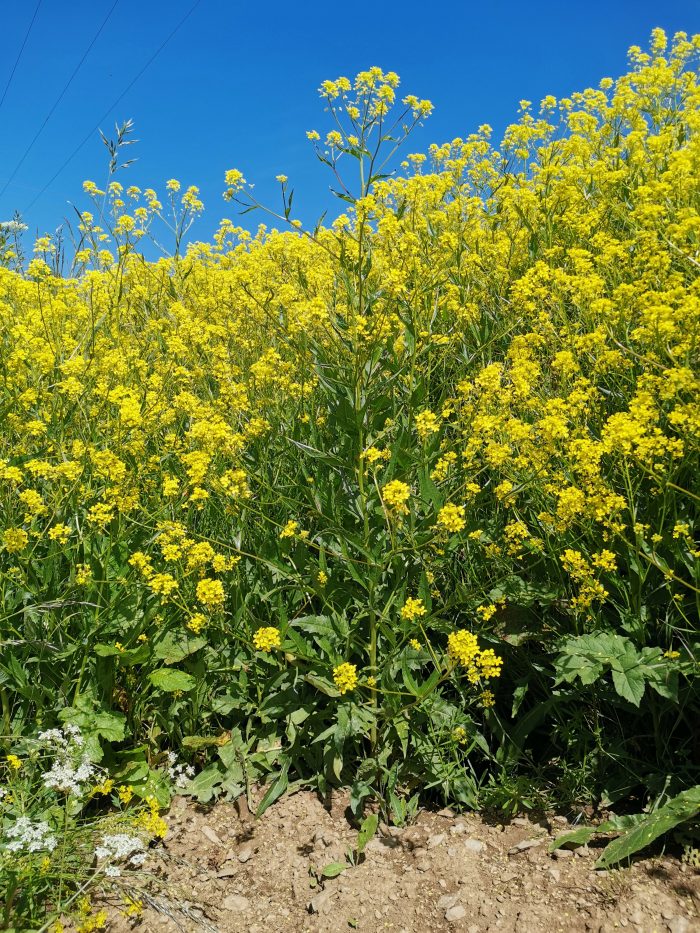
[221, 870]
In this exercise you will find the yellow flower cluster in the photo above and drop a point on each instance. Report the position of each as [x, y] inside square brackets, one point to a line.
[345, 677]
[451, 517]
[267, 638]
[413, 609]
[396, 495]
[463, 649]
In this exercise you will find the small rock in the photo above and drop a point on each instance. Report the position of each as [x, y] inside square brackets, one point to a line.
[520, 821]
[211, 835]
[447, 901]
[423, 865]
[446, 812]
[435, 840]
[178, 803]
[236, 902]
[554, 874]
[320, 903]
[525, 844]
[228, 871]
[455, 913]
[678, 925]
[562, 820]
[474, 845]
[458, 828]
[562, 853]
[245, 855]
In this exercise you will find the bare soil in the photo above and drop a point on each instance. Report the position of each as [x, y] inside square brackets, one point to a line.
[222, 871]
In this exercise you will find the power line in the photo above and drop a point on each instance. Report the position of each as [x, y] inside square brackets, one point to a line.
[107, 112]
[19, 54]
[58, 99]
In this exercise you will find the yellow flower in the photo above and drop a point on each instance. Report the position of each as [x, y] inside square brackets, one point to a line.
[267, 638]
[15, 540]
[451, 517]
[463, 647]
[413, 609]
[487, 699]
[345, 677]
[211, 592]
[196, 622]
[427, 423]
[125, 793]
[489, 664]
[14, 762]
[415, 644]
[396, 495]
[290, 530]
[60, 533]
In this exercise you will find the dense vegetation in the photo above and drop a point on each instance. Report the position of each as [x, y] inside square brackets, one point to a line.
[406, 502]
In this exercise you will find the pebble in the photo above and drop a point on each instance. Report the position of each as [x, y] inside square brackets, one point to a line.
[562, 853]
[236, 902]
[447, 901]
[446, 812]
[474, 845]
[320, 903]
[245, 855]
[520, 821]
[211, 835]
[435, 840]
[525, 844]
[554, 874]
[678, 925]
[455, 913]
[459, 827]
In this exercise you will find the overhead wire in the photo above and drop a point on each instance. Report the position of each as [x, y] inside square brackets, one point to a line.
[19, 54]
[107, 112]
[58, 100]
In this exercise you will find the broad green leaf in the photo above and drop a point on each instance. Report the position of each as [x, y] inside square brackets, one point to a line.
[367, 831]
[173, 647]
[579, 836]
[170, 680]
[333, 869]
[682, 808]
[204, 785]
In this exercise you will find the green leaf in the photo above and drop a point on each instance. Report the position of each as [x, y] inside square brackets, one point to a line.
[204, 785]
[367, 831]
[174, 646]
[333, 869]
[322, 684]
[170, 680]
[680, 809]
[276, 789]
[579, 837]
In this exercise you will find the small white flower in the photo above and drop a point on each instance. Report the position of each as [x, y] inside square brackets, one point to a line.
[112, 871]
[30, 837]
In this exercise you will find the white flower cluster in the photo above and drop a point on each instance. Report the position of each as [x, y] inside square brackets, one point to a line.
[180, 774]
[12, 226]
[119, 847]
[30, 837]
[72, 767]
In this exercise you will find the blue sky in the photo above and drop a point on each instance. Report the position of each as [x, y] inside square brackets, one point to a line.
[237, 85]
